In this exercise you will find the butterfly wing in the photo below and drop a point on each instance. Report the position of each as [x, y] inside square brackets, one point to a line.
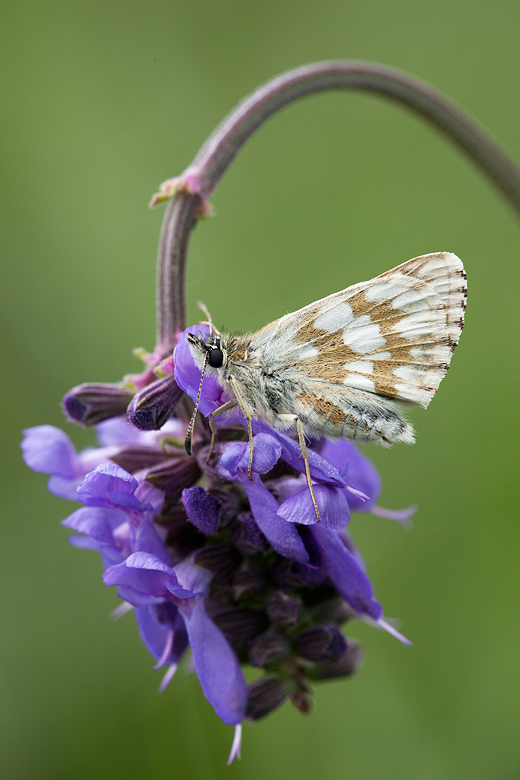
[392, 336]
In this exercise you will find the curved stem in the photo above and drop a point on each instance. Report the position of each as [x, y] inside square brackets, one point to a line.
[179, 221]
[212, 161]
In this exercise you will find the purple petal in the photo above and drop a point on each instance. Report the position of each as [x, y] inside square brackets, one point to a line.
[320, 468]
[147, 540]
[193, 577]
[347, 575]
[215, 662]
[49, 450]
[149, 494]
[108, 485]
[359, 472]
[266, 453]
[143, 579]
[332, 503]
[117, 431]
[228, 463]
[123, 498]
[88, 543]
[96, 522]
[155, 623]
[317, 570]
[285, 488]
[283, 536]
[202, 509]
[63, 487]
[187, 375]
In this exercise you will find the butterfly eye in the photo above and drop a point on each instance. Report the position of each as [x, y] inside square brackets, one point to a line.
[216, 358]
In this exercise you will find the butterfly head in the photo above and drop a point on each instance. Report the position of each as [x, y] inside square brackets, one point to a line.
[207, 352]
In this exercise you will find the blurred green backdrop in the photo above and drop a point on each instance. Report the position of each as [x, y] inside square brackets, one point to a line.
[101, 102]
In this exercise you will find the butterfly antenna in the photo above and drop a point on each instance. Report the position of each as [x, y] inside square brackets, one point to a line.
[189, 432]
[202, 306]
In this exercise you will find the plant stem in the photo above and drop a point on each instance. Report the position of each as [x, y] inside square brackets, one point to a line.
[216, 155]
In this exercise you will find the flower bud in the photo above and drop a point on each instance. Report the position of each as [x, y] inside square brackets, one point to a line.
[90, 404]
[283, 609]
[239, 625]
[134, 458]
[202, 509]
[150, 407]
[265, 696]
[334, 610]
[172, 476]
[269, 650]
[182, 538]
[301, 698]
[345, 666]
[248, 582]
[284, 574]
[220, 558]
[321, 643]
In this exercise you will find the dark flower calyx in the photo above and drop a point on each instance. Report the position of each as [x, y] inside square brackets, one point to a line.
[334, 610]
[283, 609]
[321, 643]
[152, 406]
[182, 538]
[347, 665]
[172, 476]
[265, 696]
[239, 625]
[269, 650]
[220, 558]
[284, 575]
[248, 582]
[301, 698]
[90, 404]
[135, 458]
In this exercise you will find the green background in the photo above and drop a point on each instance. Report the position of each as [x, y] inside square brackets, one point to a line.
[101, 101]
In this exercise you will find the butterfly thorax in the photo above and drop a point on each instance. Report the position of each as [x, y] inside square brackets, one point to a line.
[267, 391]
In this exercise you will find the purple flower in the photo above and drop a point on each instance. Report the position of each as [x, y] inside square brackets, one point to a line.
[237, 570]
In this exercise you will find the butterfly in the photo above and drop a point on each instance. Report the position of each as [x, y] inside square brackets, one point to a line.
[347, 366]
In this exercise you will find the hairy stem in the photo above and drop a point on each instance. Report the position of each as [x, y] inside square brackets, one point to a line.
[215, 156]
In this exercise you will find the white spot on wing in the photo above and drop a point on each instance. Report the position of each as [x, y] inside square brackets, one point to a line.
[363, 366]
[416, 395]
[380, 356]
[335, 318]
[420, 323]
[384, 291]
[433, 266]
[409, 301]
[406, 372]
[365, 336]
[359, 381]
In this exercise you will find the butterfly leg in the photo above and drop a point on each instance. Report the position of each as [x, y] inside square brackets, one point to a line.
[247, 414]
[305, 455]
[224, 408]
